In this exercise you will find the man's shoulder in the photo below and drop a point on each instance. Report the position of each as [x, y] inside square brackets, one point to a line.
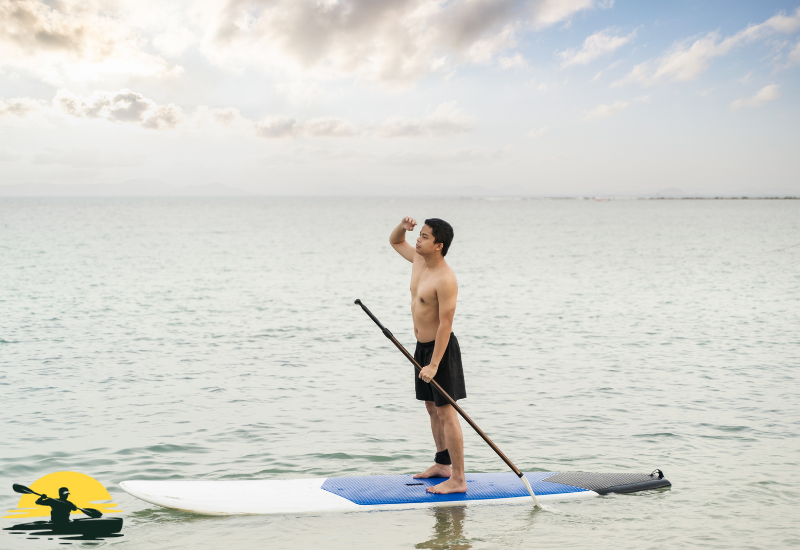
[447, 275]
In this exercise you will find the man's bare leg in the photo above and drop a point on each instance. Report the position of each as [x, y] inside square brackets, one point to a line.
[437, 470]
[455, 445]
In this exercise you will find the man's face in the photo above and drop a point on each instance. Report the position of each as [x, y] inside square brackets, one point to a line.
[425, 244]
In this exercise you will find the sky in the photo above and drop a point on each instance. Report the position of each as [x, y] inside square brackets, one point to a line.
[529, 97]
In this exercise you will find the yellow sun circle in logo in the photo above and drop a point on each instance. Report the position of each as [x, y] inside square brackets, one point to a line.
[84, 492]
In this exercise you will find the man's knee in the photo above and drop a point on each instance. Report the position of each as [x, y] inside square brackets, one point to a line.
[431, 407]
[446, 413]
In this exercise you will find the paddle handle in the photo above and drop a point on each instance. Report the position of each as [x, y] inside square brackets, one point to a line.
[465, 416]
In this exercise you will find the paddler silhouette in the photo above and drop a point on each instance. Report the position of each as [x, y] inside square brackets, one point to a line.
[60, 507]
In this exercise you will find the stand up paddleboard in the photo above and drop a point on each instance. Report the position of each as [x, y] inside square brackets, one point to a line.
[345, 494]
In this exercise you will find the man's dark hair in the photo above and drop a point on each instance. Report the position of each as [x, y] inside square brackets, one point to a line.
[442, 233]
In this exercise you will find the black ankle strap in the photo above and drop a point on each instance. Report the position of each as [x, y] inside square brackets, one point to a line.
[443, 457]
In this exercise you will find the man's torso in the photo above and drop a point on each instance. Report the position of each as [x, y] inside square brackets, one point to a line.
[424, 299]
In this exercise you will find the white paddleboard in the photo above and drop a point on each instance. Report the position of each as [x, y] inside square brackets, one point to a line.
[342, 494]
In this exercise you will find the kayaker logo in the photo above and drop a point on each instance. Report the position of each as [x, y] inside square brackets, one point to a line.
[59, 496]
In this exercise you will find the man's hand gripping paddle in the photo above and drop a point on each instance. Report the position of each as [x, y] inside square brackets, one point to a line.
[91, 512]
[437, 387]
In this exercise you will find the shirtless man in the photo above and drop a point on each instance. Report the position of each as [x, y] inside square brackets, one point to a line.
[433, 305]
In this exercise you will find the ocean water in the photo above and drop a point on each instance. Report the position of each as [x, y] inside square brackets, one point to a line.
[217, 339]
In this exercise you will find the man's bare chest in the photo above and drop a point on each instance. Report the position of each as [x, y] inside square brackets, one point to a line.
[423, 289]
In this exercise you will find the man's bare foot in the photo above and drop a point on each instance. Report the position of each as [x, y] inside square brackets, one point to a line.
[449, 486]
[437, 470]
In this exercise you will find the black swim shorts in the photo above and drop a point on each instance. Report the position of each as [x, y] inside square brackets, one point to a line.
[450, 375]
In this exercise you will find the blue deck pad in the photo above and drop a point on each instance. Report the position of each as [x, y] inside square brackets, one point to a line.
[377, 490]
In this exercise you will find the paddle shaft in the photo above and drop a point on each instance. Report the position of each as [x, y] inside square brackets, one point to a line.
[465, 416]
[22, 489]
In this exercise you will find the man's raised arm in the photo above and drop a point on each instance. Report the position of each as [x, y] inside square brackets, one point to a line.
[398, 239]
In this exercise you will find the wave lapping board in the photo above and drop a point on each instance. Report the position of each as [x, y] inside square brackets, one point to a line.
[343, 494]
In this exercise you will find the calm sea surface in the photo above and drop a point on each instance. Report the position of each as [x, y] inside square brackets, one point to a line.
[217, 339]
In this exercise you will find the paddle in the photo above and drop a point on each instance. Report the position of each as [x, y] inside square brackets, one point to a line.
[91, 512]
[450, 400]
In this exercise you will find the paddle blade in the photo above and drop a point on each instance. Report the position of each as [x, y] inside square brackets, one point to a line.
[22, 489]
[91, 512]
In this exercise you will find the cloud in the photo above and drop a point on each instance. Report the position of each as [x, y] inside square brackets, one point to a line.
[536, 133]
[20, 106]
[278, 127]
[330, 127]
[794, 55]
[88, 158]
[550, 12]
[516, 61]
[127, 107]
[123, 106]
[73, 40]
[762, 97]
[597, 45]
[392, 41]
[227, 116]
[446, 120]
[287, 127]
[686, 61]
[603, 111]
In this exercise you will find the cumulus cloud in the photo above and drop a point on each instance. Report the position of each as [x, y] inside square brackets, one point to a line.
[127, 107]
[72, 40]
[603, 111]
[446, 120]
[88, 158]
[123, 106]
[597, 45]
[20, 106]
[686, 61]
[762, 97]
[389, 41]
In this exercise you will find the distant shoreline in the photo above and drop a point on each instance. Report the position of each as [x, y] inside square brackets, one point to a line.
[161, 189]
[437, 196]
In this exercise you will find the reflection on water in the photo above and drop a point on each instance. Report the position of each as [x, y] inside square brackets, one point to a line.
[448, 531]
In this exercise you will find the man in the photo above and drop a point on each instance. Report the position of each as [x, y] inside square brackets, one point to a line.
[60, 507]
[433, 305]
